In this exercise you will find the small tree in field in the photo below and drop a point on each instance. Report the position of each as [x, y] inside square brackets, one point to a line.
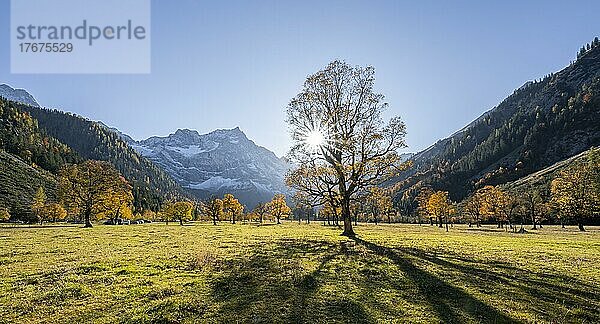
[379, 202]
[422, 198]
[38, 203]
[278, 208]
[119, 202]
[302, 206]
[232, 207]
[472, 206]
[4, 215]
[213, 209]
[533, 205]
[53, 212]
[576, 190]
[440, 206]
[148, 214]
[88, 188]
[341, 143]
[493, 203]
[261, 210]
[179, 210]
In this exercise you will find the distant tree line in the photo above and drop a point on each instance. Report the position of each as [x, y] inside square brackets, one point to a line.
[573, 197]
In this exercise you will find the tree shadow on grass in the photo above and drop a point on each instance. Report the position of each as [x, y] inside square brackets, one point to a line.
[535, 284]
[450, 303]
[363, 282]
[553, 297]
[272, 288]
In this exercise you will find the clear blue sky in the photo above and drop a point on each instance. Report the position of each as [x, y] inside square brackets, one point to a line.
[223, 64]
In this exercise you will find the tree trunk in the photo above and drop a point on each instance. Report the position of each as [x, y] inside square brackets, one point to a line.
[580, 225]
[181, 221]
[232, 218]
[346, 217]
[441, 222]
[277, 220]
[88, 223]
[446, 223]
[534, 223]
[214, 220]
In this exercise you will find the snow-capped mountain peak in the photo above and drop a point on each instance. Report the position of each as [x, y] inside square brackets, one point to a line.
[222, 161]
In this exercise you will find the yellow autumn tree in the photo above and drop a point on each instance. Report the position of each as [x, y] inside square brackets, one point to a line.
[440, 206]
[331, 212]
[179, 210]
[380, 203]
[472, 206]
[88, 188]
[4, 215]
[213, 209]
[53, 212]
[576, 190]
[260, 210]
[38, 203]
[119, 201]
[422, 199]
[492, 203]
[232, 207]
[278, 207]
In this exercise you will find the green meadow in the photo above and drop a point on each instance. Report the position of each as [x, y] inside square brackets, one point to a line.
[246, 273]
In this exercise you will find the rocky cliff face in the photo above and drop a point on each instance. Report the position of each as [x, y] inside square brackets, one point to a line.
[222, 161]
[18, 95]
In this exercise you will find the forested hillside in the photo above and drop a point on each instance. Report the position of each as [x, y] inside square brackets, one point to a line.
[28, 159]
[93, 141]
[541, 123]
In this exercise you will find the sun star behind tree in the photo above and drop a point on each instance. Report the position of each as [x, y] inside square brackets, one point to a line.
[341, 144]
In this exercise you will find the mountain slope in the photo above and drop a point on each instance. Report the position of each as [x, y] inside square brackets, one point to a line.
[542, 178]
[17, 95]
[28, 159]
[541, 123]
[91, 140]
[19, 182]
[223, 161]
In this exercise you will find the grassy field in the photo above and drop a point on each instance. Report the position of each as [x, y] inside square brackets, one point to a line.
[297, 273]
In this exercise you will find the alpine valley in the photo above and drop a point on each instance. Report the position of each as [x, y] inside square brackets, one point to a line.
[542, 123]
